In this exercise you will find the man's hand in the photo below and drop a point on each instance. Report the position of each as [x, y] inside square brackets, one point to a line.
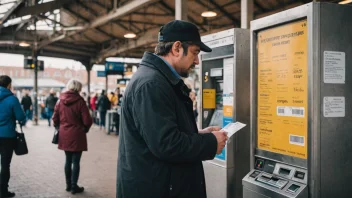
[210, 129]
[221, 138]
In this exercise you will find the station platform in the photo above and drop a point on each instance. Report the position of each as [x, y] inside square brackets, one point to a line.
[40, 174]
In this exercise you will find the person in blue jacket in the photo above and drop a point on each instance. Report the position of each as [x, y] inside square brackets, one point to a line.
[11, 111]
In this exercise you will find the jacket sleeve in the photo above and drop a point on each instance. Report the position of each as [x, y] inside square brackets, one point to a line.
[56, 115]
[155, 116]
[85, 115]
[18, 111]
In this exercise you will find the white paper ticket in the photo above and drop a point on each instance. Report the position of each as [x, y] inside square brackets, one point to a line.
[232, 128]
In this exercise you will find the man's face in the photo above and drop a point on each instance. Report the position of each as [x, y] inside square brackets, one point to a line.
[185, 64]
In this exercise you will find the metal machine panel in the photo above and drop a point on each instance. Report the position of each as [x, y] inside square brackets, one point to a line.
[326, 170]
[335, 100]
[287, 22]
[224, 174]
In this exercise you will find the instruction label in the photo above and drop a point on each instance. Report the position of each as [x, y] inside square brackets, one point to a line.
[209, 98]
[334, 107]
[334, 67]
[283, 89]
[228, 75]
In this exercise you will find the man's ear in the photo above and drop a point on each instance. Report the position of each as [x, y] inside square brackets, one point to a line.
[176, 47]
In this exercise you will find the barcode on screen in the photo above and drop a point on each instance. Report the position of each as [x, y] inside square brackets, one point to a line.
[297, 140]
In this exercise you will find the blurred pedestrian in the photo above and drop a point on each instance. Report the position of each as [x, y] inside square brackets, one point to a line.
[26, 103]
[103, 105]
[71, 116]
[50, 105]
[11, 111]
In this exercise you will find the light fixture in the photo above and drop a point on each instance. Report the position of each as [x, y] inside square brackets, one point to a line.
[24, 44]
[130, 35]
[345, 2]
[209, 14]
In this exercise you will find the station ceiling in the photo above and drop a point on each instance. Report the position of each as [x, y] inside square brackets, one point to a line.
[92, 30]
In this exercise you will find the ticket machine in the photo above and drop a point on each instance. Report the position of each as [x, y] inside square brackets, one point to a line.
[225, 99]
[301, 104]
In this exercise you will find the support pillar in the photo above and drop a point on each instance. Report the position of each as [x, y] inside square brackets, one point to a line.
[88, 68]
[35, 62]
[35, 93]
[106, 84]
[181, 10]
[246, 13]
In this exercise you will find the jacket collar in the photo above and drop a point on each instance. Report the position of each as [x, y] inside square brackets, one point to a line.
[152, 61]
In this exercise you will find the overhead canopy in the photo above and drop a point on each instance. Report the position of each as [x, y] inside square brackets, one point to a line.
[90, 31]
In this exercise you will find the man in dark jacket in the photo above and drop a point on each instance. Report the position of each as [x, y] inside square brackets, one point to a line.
[50, 105]
[161, 150]
[26, 103]
[103, 105]
[10, 112]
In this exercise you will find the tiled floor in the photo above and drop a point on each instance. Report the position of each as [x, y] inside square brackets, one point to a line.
[41, 172]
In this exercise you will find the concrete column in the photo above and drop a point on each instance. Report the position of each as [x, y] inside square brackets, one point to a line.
[246, 13]
[181, 10]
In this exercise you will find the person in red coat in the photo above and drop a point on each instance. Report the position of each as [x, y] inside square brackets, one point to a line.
[71, 116]
[93, 106]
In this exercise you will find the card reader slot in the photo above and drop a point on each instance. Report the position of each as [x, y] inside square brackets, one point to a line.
[272, 181]
[284, 171]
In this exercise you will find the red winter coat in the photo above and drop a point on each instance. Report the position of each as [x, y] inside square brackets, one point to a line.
[72, 115]
[93, 106]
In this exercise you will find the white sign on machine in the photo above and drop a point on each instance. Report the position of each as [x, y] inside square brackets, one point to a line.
[334, 67]
[334, 107]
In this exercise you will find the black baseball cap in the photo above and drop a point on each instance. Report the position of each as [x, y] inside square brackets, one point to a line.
[178, 30]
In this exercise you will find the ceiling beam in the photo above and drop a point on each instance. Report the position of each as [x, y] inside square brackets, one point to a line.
[151, 36]
[86, 20]
[89, 9]
[75, 47]
[191, 19]
[10, 11]
[89, 39]
[46, 52]
[120, 12]
[43, 17]
[151, 14]
[20, 26]
[116, 23]
[227, 14]
[277, 9]
[259, 6]
[69, 50]
[229, 3]
[41, 8]
[141, 22]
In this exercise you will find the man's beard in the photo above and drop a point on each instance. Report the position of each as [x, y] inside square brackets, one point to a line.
[185, 73]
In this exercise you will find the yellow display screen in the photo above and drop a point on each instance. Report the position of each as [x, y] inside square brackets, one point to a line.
[283, 89]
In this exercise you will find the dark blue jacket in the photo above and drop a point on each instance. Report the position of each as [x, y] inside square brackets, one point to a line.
[11, 111]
